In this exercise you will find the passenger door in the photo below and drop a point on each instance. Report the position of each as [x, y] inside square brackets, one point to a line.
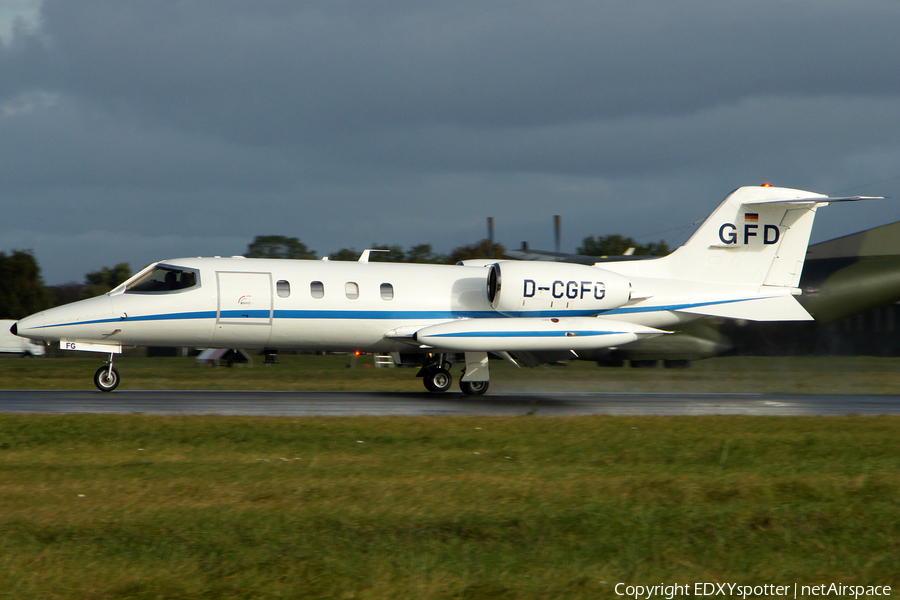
[244, 313]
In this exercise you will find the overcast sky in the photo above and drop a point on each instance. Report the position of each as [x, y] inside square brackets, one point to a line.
[138, 131]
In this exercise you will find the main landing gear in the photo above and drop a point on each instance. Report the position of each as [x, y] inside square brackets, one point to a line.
[107, 377]
[435, 374]
[474, 388]
[437, 379]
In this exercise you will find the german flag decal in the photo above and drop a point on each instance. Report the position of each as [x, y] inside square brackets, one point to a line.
[751, 217]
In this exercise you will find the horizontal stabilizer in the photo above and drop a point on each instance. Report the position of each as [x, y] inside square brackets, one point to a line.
[813, 200]
[772, 308]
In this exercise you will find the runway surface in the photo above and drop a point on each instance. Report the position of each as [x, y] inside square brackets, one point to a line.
[309, 404]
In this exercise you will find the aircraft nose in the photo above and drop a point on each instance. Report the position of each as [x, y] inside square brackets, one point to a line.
[14, 329]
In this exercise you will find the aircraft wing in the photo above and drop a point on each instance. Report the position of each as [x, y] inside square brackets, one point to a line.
[531, 334]
[517, 357]
[536, 359]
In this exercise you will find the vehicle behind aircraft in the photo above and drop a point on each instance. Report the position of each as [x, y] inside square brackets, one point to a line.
[13, 344]
[744, 262]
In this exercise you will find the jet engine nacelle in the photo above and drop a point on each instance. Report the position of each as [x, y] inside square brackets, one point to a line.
[521, 288]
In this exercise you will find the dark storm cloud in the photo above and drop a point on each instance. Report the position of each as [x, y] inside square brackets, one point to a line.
[422, 118]
[58, 142]
[288, 72]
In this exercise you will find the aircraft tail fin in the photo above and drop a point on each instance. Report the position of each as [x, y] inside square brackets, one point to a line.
[757, 236]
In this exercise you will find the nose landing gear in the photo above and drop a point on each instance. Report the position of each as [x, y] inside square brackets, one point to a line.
[107, 377]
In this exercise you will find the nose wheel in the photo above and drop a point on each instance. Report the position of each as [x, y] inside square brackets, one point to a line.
[107, 377]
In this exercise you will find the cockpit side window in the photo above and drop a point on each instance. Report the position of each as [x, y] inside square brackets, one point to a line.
[163, 278]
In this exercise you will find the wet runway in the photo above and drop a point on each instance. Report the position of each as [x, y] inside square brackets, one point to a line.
[308, 404]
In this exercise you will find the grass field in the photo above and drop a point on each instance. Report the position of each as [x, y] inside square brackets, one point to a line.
[528, 507]
[831, 374]
[138, 506]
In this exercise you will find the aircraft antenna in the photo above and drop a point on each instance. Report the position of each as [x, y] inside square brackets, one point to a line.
[556, 228]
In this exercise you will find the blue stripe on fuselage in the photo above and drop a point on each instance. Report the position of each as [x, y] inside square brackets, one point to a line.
[413, 315]
[203, 314]
[630, 310]
[245, 314]
[521, 334]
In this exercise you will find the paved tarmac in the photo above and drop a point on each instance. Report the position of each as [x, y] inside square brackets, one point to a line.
[309, 404]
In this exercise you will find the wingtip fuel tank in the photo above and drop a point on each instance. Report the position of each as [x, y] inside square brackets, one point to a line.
[532, 334]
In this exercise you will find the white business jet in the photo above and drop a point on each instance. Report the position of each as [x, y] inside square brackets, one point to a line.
[743, 262]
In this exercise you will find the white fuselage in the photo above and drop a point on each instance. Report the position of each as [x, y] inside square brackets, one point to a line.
[324, 305]
[259, 303]
[263, 303]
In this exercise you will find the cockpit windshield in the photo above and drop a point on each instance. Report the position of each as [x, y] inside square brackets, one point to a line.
[163, 278]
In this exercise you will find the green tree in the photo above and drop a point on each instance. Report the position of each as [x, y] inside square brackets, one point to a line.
[348, 254]
[64, 293]
[482, 249]
[617, 244]
[278, 246]
[22, 292]
[422, 253]
[97, 283]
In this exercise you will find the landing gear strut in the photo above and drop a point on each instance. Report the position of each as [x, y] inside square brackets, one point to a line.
[475, 377]
[107, 377]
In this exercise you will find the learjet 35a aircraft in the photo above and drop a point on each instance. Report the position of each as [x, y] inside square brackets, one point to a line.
[743, 262]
